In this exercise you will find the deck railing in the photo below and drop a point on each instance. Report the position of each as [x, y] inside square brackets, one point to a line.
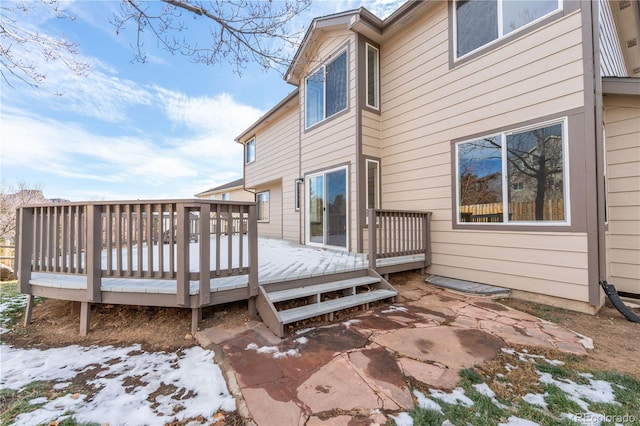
[395, 233]
[183, 240]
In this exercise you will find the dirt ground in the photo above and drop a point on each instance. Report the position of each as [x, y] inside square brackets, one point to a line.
[56, 323]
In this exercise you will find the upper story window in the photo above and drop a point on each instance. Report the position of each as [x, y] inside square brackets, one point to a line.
[373, 77]
[250, 151]
[514, 177]
[225, 196]
[326, 91]
[480, 22]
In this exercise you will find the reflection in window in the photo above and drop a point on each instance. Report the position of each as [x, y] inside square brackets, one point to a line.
[478, 21]
[535, 172]
[480, 180]
[262, 200]
[536, 164]
[326, 91]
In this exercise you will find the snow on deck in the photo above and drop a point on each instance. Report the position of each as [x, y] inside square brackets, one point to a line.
[278, 261]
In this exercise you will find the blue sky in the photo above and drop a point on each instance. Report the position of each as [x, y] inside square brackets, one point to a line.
[162, 129]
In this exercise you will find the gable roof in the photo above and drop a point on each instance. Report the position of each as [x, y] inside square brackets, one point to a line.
[359, 20]
[233, 184]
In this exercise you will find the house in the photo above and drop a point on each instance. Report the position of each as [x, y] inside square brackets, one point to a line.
[535, 104]
[233, 190]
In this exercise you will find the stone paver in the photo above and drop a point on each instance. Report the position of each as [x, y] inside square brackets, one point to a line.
[357, 372]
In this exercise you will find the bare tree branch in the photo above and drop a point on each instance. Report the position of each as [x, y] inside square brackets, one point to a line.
[240, 31]
[24, 50]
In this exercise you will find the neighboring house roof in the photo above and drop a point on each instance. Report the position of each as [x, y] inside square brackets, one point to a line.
[233, 184]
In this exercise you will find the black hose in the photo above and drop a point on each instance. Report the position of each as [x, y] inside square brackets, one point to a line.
[613, 296]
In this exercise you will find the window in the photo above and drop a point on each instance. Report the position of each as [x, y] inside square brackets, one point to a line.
[480, 22]
[373, 82]
[262, 199]
[326, 91]
[297, 191]
[250, 151]
[213, 197]
[515, 177]
[225, 196]
[373, 184]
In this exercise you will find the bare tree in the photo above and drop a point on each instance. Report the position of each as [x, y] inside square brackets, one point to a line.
[240, 32]
[12, 197]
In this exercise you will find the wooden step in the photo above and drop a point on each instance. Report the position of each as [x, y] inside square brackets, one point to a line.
[318, 289]
[309, 311]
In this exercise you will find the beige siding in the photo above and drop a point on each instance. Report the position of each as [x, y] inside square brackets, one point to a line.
[426, 105]
[332, 142]
[622, 129]
[277, 150]
[272, 228]
[611, 58]
[371, 134]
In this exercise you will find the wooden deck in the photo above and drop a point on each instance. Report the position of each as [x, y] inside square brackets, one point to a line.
[156, 254]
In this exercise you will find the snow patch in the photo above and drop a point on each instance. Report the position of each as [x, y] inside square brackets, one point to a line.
[454, 397]
[403, 419]
[426, 403]
[116, 401]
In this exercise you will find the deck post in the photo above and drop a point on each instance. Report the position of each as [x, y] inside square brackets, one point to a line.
[204, 240]
[196, 317]
[24, 248]
[426, 241]
[85, 318]
[28, 310]
[253, 260]
[373, 243]
[94, 253]
[182, 245]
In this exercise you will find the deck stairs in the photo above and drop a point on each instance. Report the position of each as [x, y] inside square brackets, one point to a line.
[288, 302]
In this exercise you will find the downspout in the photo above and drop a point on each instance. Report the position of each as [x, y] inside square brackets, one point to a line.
[595, 296]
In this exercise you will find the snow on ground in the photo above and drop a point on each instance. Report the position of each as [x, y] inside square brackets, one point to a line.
[274, 351]
[426, 403]
[124, 379]
[13, 304]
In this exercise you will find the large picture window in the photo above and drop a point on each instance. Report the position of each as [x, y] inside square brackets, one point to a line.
[480, 22]
[262, 199]
[326, 91]
[514, 177]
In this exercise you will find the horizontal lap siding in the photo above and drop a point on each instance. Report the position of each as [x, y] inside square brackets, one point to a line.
[370, 134]
[622, 129]
[276, 168]
[426, 105]
[332, 142]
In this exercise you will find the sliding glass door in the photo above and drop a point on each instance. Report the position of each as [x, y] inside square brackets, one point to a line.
[327, 208]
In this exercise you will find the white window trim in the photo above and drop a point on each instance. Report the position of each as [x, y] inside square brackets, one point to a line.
[269, 207]
[377, 74]
[307, 212]
[505, 178]
[246, 151]
[323, 67]
[501, 34]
